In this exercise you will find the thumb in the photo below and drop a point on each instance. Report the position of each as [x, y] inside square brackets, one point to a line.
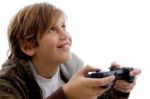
[135, 72]
[84, 71]
[114, 64]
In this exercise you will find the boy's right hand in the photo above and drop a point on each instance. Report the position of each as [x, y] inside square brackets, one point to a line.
[82, 87]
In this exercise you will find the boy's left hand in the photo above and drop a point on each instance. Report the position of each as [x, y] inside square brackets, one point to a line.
[122, 85]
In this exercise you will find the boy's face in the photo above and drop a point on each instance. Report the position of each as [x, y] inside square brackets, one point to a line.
[54, 46]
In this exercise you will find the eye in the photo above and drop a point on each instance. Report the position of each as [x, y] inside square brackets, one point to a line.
[52, 29]
[63, 26]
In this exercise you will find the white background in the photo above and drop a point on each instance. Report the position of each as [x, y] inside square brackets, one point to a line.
[103, 31]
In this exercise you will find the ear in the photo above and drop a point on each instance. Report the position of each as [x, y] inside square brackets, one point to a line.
[27, 48]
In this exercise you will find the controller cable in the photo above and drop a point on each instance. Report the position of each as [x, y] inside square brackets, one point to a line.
[111, 87]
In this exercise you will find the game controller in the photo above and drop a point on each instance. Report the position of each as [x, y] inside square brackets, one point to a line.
[120, 74]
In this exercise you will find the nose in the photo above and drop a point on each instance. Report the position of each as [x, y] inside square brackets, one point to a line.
[64, 35]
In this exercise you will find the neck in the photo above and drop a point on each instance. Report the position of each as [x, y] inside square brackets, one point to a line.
[44, 70]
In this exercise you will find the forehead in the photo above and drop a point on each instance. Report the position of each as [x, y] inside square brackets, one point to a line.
[61, 20]
[58, 21]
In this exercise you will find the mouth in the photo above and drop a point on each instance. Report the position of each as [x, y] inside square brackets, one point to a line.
[64, 46]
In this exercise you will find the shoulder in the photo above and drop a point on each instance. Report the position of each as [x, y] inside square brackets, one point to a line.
[75, 61]
[8, 83]
[8, 90]
[70, 67]
[14, 80]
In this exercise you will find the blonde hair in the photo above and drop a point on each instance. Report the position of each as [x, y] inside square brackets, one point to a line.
[29, 24]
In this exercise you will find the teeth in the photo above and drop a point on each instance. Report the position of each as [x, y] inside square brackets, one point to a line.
[66, 46]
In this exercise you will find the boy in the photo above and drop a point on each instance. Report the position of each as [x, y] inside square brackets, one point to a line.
[40, 64]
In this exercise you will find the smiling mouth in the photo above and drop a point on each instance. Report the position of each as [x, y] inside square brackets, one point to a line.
[65, 46]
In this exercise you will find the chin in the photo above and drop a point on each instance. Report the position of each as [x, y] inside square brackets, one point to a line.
[66, 57]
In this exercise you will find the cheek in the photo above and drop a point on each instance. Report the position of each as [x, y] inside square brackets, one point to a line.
[69, 37]
[45, 50]
[46, 44]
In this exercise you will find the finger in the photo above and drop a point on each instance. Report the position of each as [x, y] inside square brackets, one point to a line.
[85, 70]
[102, 81]
[115, 65]
[124, 83]
[135, 72]
[125, 88]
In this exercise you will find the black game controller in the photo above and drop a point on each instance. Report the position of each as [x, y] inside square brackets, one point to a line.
[120, 73]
